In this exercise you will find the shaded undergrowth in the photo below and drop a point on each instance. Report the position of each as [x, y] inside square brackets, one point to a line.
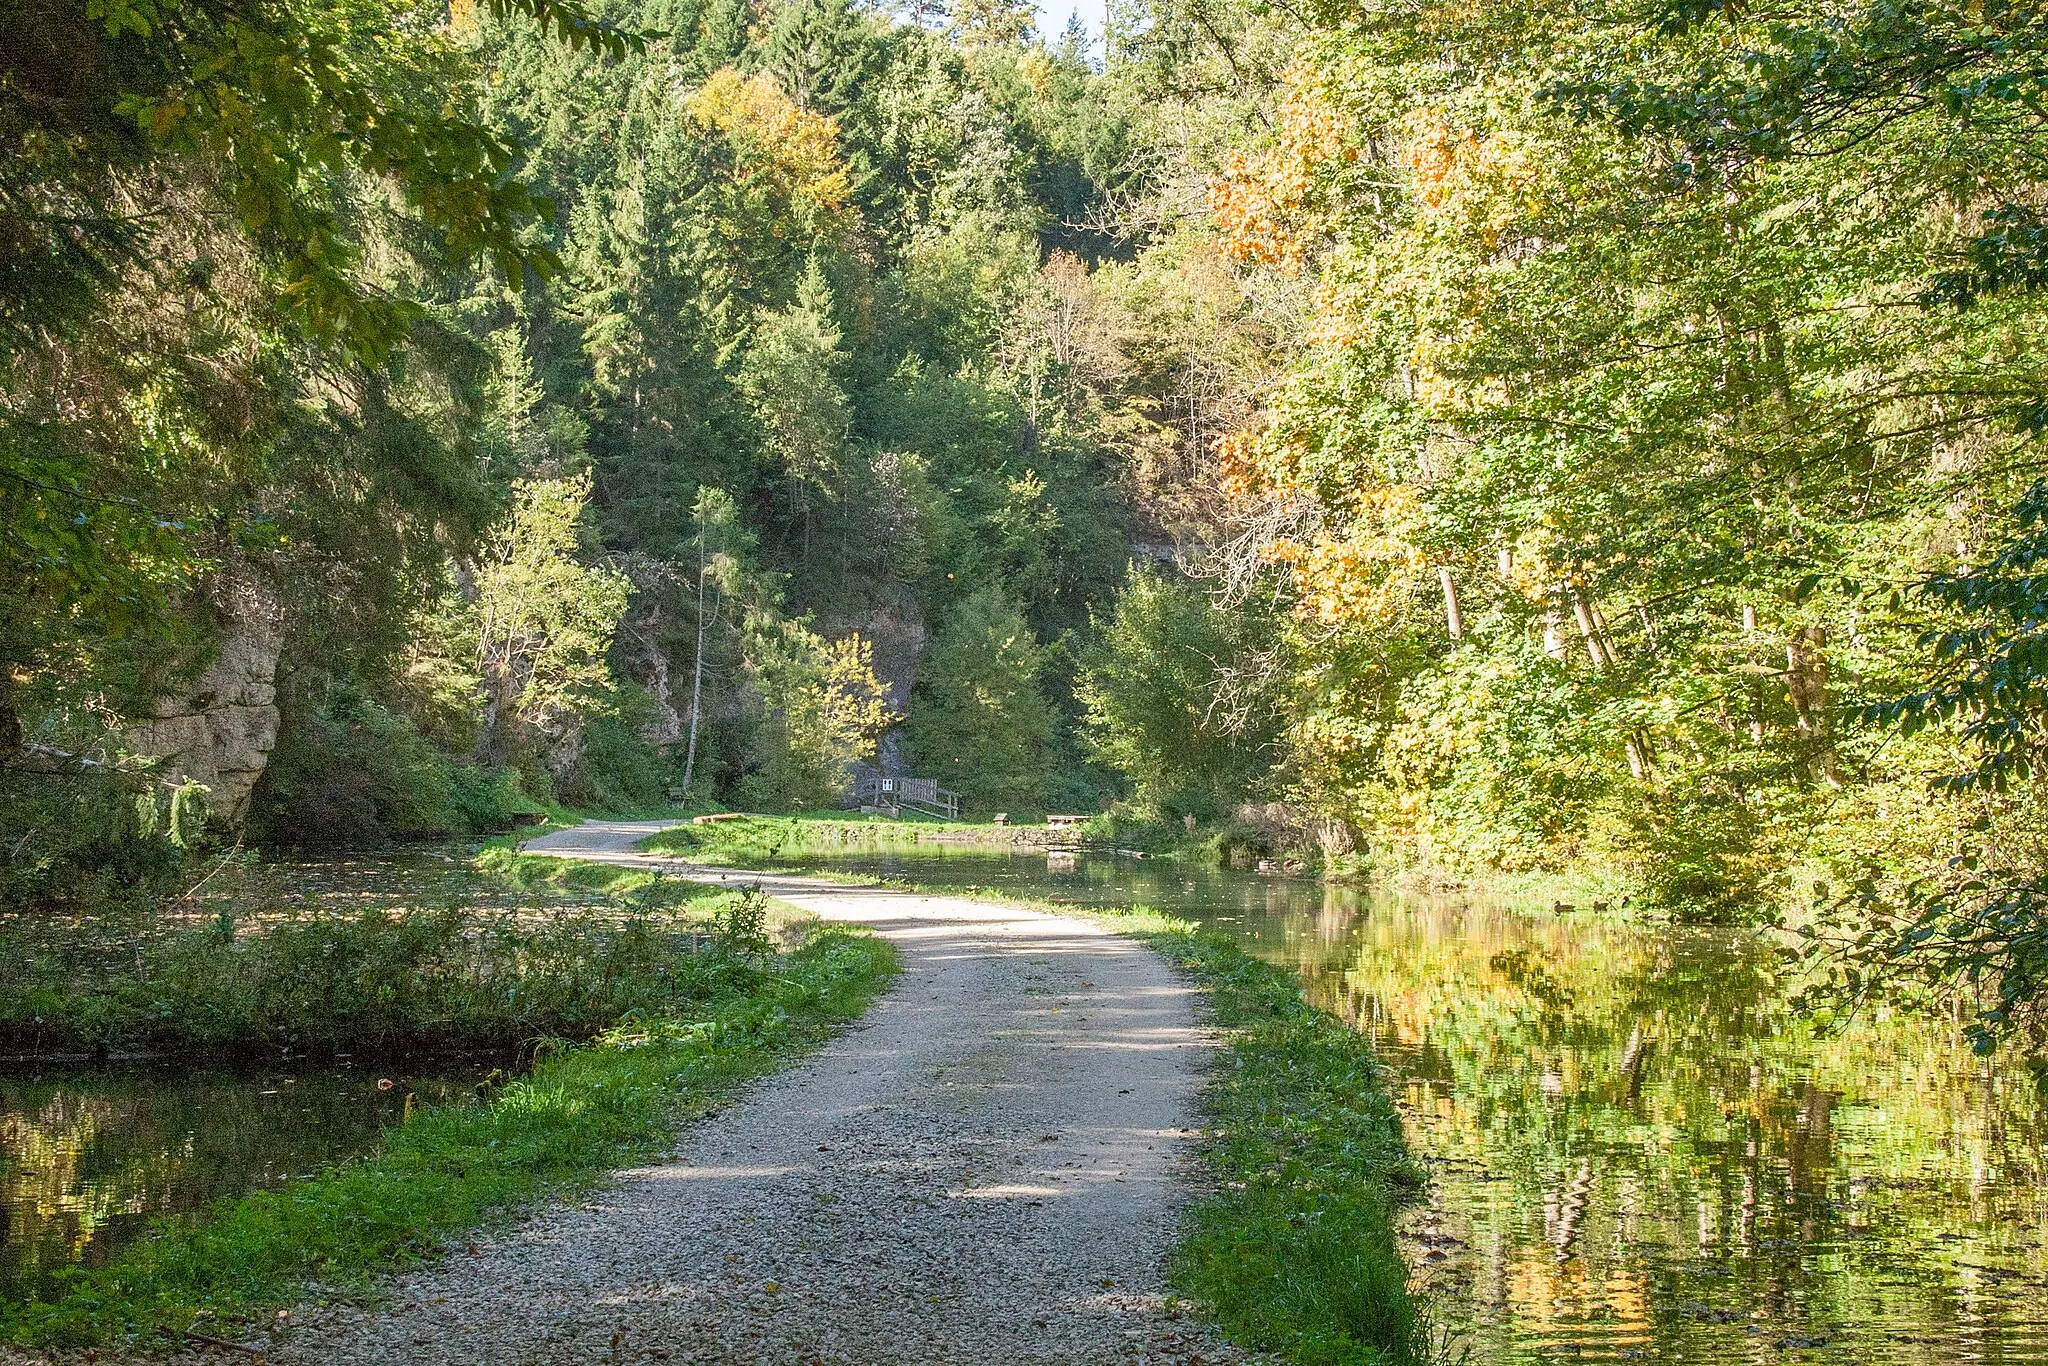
[313, 981]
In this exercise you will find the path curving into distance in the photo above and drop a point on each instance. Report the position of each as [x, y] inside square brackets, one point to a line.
[986, 1169]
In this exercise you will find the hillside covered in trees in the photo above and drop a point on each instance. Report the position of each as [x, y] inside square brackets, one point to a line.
[1496, 441]
[681, 404]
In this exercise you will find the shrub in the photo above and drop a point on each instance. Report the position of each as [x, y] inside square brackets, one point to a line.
[378, 981]
[579, 1113]
[618, 770]
[95, 838]
[353, 771]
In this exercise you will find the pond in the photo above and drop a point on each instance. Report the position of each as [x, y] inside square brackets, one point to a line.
[91, 1159]
[1638, 1151]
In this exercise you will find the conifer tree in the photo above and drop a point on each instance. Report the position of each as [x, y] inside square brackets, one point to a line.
[979, 720]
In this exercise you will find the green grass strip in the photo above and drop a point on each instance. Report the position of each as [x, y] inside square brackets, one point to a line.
[578, 1115]
[1293, 1252]
[763, 840]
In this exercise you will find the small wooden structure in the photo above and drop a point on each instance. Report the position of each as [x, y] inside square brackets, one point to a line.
[882, 790]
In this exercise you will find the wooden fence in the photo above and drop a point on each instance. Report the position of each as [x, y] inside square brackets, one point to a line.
[919, 794]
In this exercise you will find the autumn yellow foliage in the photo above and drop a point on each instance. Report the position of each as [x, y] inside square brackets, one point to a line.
[1464, 181]
[780, 147]
[1266, 202]
[1239, 471]
[1364, 573]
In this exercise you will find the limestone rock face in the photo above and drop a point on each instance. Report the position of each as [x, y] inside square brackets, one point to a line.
[221, 734]
[899, 638]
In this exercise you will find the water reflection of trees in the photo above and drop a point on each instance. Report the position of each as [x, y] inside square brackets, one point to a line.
[58, 1189]
[88, 1163]
[1679, 1148]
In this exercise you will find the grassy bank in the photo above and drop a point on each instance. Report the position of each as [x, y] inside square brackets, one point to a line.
[581, 1112]
[461, 972]
[1293, 1250]
[760, 841]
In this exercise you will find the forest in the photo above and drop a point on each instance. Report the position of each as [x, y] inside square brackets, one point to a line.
[1580, 458]
[1504, 442]
[1500, 443]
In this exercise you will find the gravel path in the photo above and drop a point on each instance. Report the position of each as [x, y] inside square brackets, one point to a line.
[985, 1170]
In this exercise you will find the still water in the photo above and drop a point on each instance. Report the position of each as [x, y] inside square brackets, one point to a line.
[90, 1160]
[1638, 1152]
[92, 1157]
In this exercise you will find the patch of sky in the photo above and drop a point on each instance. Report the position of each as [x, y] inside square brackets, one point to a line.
[1055, 15]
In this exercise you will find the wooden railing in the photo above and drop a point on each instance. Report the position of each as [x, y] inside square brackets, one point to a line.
[919, 794]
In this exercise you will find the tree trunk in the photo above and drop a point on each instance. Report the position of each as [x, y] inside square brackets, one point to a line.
[10, 720]
[1588, 632]
[696, 673]
[1606, 635]
[1454, 620]
[1592, 628]
[1806, 680]
[1756, 692]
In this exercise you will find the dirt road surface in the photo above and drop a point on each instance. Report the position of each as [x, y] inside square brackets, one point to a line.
[988, 1168]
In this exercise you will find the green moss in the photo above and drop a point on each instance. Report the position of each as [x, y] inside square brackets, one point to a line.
[579, 1114]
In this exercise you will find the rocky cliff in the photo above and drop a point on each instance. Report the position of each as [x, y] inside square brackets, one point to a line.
[221, 731]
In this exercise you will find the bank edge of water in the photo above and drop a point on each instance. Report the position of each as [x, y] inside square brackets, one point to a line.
[580, 1114]
[745, 838]
[1292, 1250]
[768, 843]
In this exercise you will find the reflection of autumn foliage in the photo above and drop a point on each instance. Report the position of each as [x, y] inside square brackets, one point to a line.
[53, 1207]
[1267, 203]
[1623, 1092]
